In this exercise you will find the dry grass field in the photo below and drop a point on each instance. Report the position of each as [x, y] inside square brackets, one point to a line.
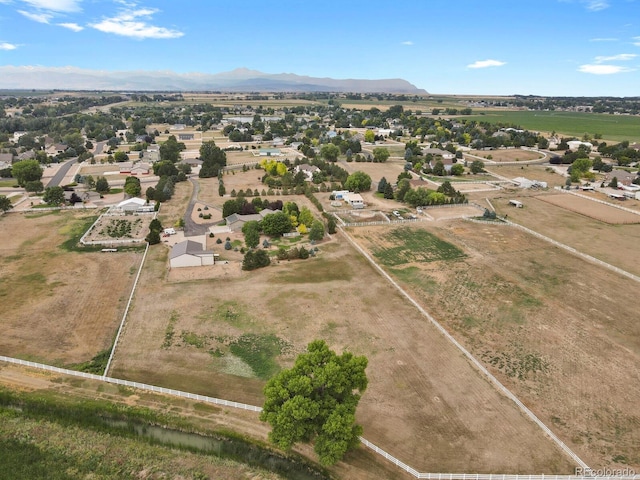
[532, 172]
[614, 244]
[58, 306]
[224, 335]
[588, 208]
[508, 155]
[559, 332]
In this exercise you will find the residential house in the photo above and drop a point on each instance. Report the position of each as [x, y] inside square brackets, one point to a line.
[307, 170]
[6, 159]
[140, 168]
[186, 136]
[190, 254]
[575, 144]
[236, 221]
[437, 152]
[17, 135]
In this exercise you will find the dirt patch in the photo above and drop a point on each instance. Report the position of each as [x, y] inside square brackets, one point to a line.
[508, 155]
[59, 306]
[589, 208]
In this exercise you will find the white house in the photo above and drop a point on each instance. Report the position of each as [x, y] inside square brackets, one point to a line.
[575, 144]
[17, 135]
[355, 200]
[135, 205]
[437, 152]
[307, 169]
[190, 254]
[340, 194]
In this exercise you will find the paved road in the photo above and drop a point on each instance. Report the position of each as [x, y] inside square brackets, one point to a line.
[191, 228]
[62, 172]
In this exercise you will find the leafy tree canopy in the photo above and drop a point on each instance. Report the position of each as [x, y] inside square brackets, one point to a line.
[358, 182]
[316, 400]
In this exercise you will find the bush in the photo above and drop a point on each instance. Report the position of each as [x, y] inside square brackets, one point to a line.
[255, 259]
[218, 241]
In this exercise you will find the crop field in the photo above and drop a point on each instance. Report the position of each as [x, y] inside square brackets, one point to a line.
[558, 331]
[611, 127]
[55, 305]
[407, 245]
[120, 228]
[598, 211]
[223, 338]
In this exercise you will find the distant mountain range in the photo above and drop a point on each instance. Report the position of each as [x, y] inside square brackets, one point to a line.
[239, 80]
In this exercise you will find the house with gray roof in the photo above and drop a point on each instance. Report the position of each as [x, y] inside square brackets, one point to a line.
[190, 254]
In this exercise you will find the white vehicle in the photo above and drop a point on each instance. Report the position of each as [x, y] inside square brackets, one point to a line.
[169, 231]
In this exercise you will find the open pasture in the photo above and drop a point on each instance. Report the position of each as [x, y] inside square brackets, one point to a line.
[583, 233]
[611, 127]
[508, 155]
[559, 332]
[215, 337]
[532, 172]
[58, 305]
[589, 208]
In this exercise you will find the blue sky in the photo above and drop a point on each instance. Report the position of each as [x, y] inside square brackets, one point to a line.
[538, 47]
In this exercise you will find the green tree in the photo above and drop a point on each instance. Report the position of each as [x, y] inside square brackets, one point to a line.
[276, 224]
[305, 217]
[5, 203]
[614, 182]
[221, 189]
[34, 187]
[330, 152]
[26, 171]
[403, 187]
[358, 182]
[380, 154]
[53, 196]
[369, 136]
[255, 259]
[132, 186]
[170, 150]
[153, 237]
[331, 225]
[316, 400]
[120, 156]
[251, 231]
[213, 159]
[477, 166]
[102, 185]
[438, 168]
[317, 231]
[457, 169]
[388, 192]
[382, 185]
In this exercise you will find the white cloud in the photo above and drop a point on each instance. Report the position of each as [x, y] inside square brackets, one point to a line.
[596, 5]
[603, 40]
[7, 46]
[71, 26]
[603, 69]
[623, 57]
[127, 24]
[36, 17]
[636, 41]
[486, 63]
[55, 5]
[408, 42]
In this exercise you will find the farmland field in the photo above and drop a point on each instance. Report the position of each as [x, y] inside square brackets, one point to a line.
[556, 330]
[422, 404]
[508, 155]
[611, 127]
[59, 306]
[598, 211]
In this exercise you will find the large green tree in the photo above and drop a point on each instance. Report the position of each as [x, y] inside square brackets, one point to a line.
[330, 152]
[213, 159]
[275, 224]
[358, 182]
[53, 196]
[102, 185]
[170, 150]
[26, 171]
[381, 154]
[251, 231]
[132, 186]
[316, 400]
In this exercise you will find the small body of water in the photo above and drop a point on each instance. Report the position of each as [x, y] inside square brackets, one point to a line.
[236, 449]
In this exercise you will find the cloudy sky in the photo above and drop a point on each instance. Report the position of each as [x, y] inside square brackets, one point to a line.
[541, 47]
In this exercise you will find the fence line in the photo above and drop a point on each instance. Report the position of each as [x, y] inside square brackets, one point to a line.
[578, 253]
[590, 474]
[126, 312]
[597, 200]
[501, 388]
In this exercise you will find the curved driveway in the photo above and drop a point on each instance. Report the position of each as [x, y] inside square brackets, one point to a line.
[62, 172]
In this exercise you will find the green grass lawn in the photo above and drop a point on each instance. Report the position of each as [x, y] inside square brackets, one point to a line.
[611, 127]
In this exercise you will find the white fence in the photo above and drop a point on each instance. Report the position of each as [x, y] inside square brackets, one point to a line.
[630, 475]
[597, 200]
[127, 383]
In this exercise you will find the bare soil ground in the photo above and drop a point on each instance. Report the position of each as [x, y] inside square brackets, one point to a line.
[446, 213]
[587, 235]
[55, 306]
[598, 211]
[532, 172]
[423, 399]
[508, 155]
[559, 332]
